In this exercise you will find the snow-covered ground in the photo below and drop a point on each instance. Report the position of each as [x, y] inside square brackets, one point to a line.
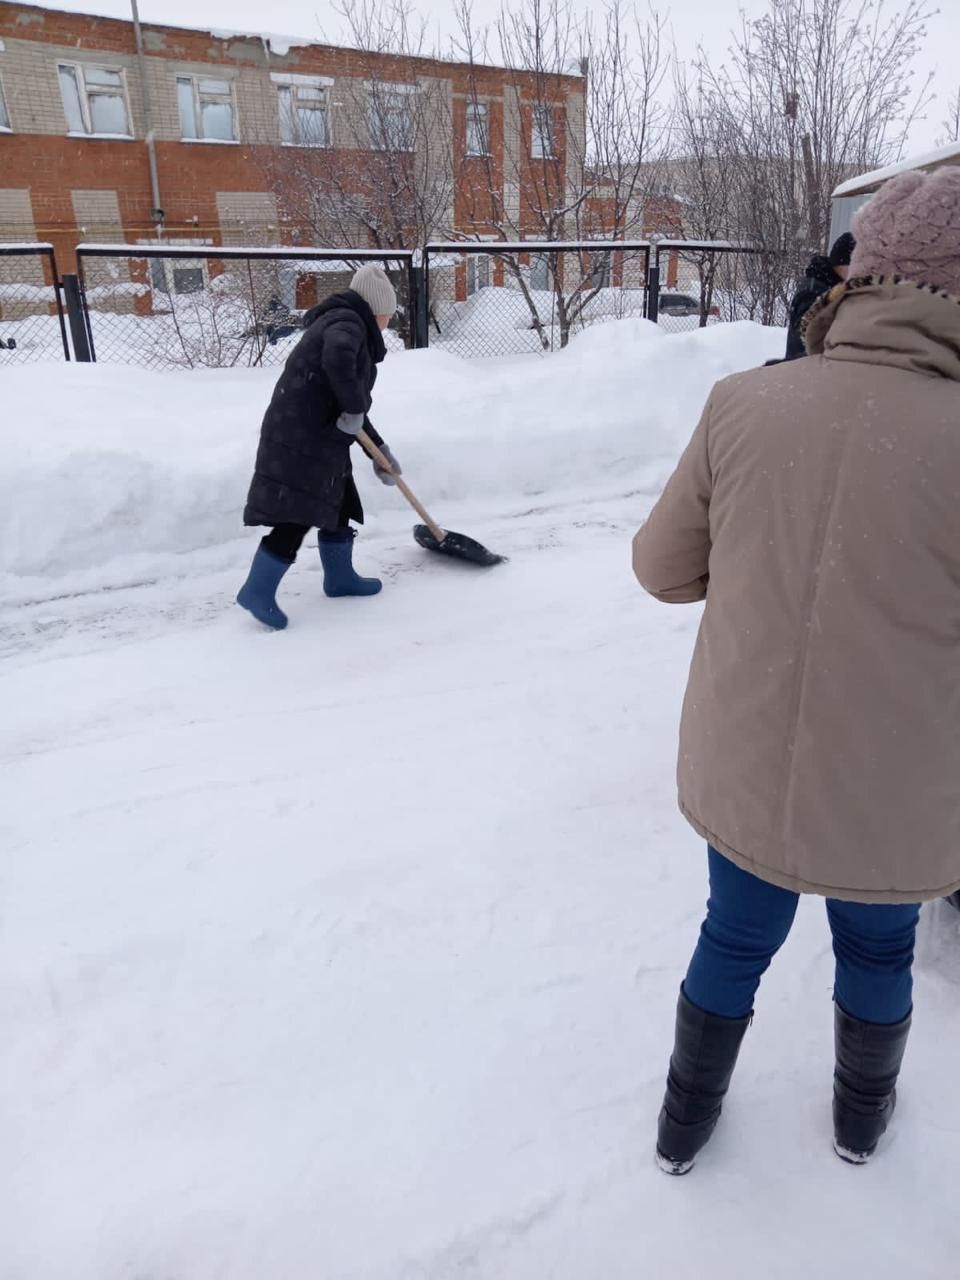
[351, 953]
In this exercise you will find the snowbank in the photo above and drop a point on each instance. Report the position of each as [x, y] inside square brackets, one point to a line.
[103, 462]
[498, 320]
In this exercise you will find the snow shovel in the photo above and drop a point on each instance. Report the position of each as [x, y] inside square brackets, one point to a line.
[429, 534]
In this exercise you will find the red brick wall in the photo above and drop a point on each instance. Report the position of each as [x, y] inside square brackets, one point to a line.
[52, 166]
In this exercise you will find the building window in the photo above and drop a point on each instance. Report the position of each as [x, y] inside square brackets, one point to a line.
[4, 113]
[540, 273]
[178, 275]
[541, 142]
[477, 129]
[391, 117]
[206, 109]
[94, 100]
[600, 271]
[478, 273]
[304, 118]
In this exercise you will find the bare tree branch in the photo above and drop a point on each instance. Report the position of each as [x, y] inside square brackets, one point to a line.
[951, 125]
[579, 158]
[813, 92]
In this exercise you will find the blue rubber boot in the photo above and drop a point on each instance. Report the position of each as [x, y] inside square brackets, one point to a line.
[258, 595]
[336, 556]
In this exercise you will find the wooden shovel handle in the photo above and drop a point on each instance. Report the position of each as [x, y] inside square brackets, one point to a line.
[382, 461]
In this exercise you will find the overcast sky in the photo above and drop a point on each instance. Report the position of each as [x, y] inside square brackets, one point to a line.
[709, 21]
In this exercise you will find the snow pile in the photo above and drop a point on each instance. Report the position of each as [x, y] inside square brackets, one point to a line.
[279, 45]
[100, 293]
[26, 293]
[102, 462]
[494, 319]
[499, 320]
[610, 303]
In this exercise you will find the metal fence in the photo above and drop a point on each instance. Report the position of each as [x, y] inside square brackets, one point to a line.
[31, 307]
[191, 305]
[695, 283]
[166, 306]
[488, 299]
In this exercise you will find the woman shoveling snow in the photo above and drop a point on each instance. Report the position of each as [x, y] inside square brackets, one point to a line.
[303, 477]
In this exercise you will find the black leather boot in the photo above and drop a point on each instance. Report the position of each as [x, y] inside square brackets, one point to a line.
[704, 1055]
[864, 1083]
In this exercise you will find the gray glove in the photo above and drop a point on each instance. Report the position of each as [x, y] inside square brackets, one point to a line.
[384, 476]
[350, 423]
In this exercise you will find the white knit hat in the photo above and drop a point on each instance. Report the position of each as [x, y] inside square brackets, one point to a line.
[374, 287]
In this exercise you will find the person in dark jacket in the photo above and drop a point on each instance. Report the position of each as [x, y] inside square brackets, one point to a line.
[821, 276]
[303, 476]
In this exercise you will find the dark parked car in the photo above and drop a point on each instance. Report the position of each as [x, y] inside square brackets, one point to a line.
[682, 305]
[679, 304]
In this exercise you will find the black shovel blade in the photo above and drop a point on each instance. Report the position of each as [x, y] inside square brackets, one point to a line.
[457, 545]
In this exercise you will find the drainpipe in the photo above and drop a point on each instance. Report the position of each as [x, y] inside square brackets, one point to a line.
[156, 213]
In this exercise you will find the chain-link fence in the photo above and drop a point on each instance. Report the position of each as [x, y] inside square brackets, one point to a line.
[700, 283]
[166, 306]
[31, 310]
[495, 299]
[191, 305]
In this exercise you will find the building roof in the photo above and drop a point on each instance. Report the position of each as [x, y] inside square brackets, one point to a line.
[281, 46]
[868, 182]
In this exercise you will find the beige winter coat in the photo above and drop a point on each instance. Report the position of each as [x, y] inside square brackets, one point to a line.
[817, 510]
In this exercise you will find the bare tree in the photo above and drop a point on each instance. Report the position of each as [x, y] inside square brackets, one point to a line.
[221, 324]
[701, 137]
[814, 91]
[397, 115]
[576, 157]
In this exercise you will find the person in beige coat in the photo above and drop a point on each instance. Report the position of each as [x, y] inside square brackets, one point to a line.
[816, 511]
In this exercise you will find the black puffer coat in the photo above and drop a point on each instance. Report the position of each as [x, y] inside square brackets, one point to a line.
[303, 473]
[819, 279]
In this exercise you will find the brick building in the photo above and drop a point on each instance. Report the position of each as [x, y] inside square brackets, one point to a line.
[248, 129]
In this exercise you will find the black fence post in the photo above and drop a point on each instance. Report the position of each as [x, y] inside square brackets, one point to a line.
[58, 303]
[58, 295]
[653, 291]
[420, 304]
[76, 314]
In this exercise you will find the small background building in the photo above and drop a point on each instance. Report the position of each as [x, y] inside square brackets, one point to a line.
[851, 196]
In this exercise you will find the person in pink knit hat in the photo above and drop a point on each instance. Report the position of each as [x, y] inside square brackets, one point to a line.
[816, 511]
[911, 229]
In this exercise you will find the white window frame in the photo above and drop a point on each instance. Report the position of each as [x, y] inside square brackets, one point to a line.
[4, 111]
[473, 106]
[289, 82]
[398, 91]
[479, 274]
[80, 69]
[194, 78]
[542, 129]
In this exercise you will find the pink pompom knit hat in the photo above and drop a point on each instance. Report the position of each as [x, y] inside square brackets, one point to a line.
[911, 228]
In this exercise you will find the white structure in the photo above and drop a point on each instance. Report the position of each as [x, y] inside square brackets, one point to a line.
[850, 196]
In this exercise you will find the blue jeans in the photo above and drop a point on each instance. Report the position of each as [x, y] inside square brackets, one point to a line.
[748, 921]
